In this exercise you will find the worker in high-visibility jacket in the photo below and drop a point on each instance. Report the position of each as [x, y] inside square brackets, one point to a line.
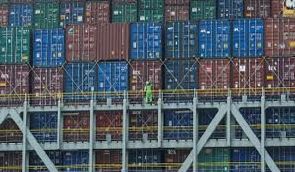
[148, 89]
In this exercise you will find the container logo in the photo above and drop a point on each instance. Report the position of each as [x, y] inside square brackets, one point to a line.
[289, 8]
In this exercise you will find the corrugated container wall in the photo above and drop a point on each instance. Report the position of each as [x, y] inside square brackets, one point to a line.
[143, 71]
[11, 159]
[144, 156]
[248, 159]
[4, 11]
[176, 10]
[47, 85]
[75, 160]
[146, 41]
[97, 12]
[79, 78]
[283, 154]
[9, 132]
[49, 48]
[113, 41]
[214, 38]
[15, 45]
[109, 126]
[124, 11]
[181, 40]
[151, 10]
[21, 15]
[113, 76]
[248, 74]
[44, 126]
[81, 43]
[110, 158]
[202, 9]
[46, 15]
[14, 81]
[76, 127]
[230, 9]
[214, 159]
[280, 72]
[260, 9]
[214, 74]
[71, 13]
[248, 38]
[279, 37]
[174, 156]
[36, 164]
[180, 74]
[282, 8]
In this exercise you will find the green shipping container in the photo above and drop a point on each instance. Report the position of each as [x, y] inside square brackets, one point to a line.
[214, 159]
[151, 10]
[14, 45]
[203, 9]
[46, 15]
[124, 12]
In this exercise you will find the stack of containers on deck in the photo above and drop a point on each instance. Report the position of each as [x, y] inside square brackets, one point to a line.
[124, 11]
[176, 10]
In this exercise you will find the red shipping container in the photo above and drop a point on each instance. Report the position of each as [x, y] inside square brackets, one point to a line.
[4, 10]
[108, 160]
[113, 41]
[143, 124]
[109, 124]
[177, 2]
[10, 133]
[140, 73]
[214, 73]
[47, 86]
[81, 43]
[175, 156]
[177, 13]
[282, 8]
[11, 159]
[76, 127]
[97, 12]
[248, 74]
[14, 81]
[280, 72]
[257, 9]
[280, 37]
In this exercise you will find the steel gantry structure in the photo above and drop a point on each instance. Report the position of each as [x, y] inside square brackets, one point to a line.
[227, 108]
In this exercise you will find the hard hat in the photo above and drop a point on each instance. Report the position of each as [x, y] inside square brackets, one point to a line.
[147, 82]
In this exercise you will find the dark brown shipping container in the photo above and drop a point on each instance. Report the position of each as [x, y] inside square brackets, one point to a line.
[97, 12]
[4, 10]
[47, 85]
[177, 13]
[282, 8]
[248, 74]
[81, 43]
[140, 73]
[109, 126]
[11, 161]
[108, 160]
[143, 125]
[177, 2]
[76, 127]
[113, 41]
[9, 132]
[174, 156]
[280, 72]
[280, 37]
[257, 8]
[214, 73]
[14, 81]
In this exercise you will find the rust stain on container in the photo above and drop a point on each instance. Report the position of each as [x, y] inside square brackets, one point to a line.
[257, 8]
[97, 12]
[4, 11]
[176, 12]
[47, 85]
[76, 127]
[214, 74]
[14, 81]
[113, 41]
[280, 37]
[109, 126]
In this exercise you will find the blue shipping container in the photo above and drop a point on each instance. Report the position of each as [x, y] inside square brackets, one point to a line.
[180, 74]
[112, 76]
[71, 13]
[248, 38]
[75, 161]
[179, 124]
[49, 48]
[181, 40]
[230, 9]
[245, 160]
[142, 156]
[214, 38]
[146, 41]
[253, 118]
[80, 77]
[21, 15]
[44, 126]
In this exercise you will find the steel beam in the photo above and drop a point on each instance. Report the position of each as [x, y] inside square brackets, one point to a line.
[125, 135]
[195, 134]
[92, 128]
[228, 120]
[160, 121]
[59, 124]
[24, 146]
[263, 133]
